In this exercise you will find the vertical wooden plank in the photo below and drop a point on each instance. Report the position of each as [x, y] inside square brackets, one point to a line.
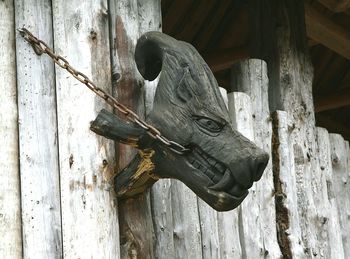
[330, 222]
[10, 197]
[341, 180]
[209, 230]
[187, 232]
[240, 108]
[89, 213]
[287, 217]
[250, 76]
[290, 74]
[38, 156]
[136, 227]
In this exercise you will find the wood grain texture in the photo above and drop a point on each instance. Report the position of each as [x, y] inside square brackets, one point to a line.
[250, 76]
[187, 232]
[330, 225]
[89, 208]
[10, 197]
[136, 227]
[40, 189]
[341, 178]
[287, 217]
[291, 90]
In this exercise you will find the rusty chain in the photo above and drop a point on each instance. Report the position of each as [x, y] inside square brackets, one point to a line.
[41, 47]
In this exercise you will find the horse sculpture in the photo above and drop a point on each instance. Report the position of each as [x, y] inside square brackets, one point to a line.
[220, 164]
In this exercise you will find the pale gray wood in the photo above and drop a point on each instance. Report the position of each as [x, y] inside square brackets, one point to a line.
[240, 108]
[10, 197]
[250, 76]
[89, 208]
[187, 232]
[208, 218]
[291, 75]
[228, 228]
[341, 180]
[330, 226]
[288, 222]
[40, 193]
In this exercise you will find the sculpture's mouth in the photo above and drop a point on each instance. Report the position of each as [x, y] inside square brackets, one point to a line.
[222, 182]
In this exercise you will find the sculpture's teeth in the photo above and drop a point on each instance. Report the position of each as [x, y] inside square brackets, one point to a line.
[225, 182]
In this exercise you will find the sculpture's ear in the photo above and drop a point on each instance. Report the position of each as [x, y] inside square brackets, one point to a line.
[149, 53]
[183, 90]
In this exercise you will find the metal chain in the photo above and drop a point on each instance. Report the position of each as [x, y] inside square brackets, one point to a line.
[41, 47]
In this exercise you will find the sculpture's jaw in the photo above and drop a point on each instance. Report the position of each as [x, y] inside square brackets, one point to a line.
[220, 187]
[209, 178]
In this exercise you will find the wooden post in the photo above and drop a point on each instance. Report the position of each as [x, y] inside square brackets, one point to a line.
[136, 228]
[10, 205]
[187, 232]
[341, 179]
[40, 188]
[250, 76]
[290, 73]
[89, 211]
[287, 217]
[330, 225]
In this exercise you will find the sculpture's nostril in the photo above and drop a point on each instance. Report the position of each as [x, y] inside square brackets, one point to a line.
[261, 163]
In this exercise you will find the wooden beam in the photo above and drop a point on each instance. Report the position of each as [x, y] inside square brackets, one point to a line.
[328, 33]
[333, 101]
[336, 6]
[224, 59]
[332, 125]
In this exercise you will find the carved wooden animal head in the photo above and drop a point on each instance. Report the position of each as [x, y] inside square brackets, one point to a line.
[188, 108]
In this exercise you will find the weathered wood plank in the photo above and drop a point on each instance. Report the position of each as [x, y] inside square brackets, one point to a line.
[136, 228]
[241, 113]
[290, 74]
[10, 197]
[250, 76]
[187, 232]
[330, 226]
[287, 217]
[208, 219]
[40, 190]
[341, 179]
[89, 213]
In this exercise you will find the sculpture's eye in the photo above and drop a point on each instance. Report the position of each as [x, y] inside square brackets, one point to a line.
[209, 124]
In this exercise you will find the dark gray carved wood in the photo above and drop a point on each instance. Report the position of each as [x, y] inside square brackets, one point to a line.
[188, 108]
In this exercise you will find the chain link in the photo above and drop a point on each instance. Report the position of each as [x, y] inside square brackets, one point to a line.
[41, 47]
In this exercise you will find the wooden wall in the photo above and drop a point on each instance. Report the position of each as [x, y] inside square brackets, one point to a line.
[56, 198]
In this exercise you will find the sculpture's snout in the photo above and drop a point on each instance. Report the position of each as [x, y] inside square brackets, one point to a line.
[259, 166]
[251, 168]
